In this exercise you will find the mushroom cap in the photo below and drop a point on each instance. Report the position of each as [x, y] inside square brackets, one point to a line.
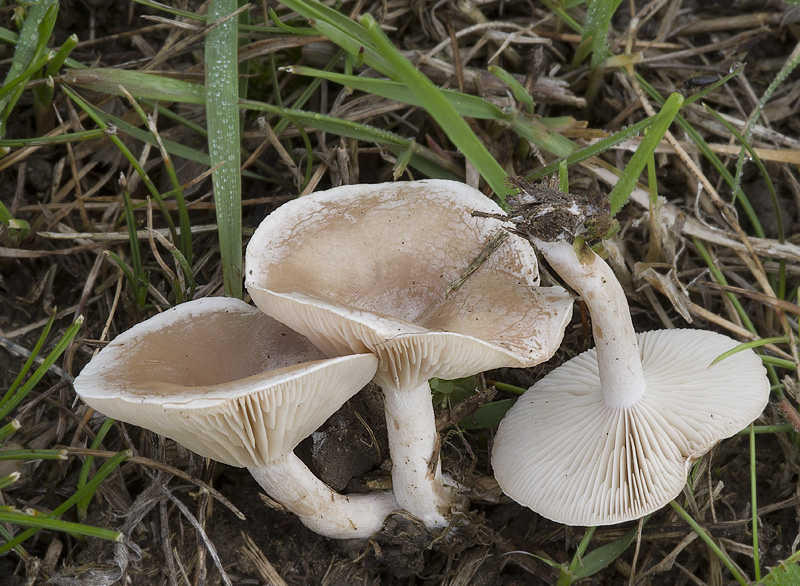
[367, 268]
[222, 379]
[574, 460]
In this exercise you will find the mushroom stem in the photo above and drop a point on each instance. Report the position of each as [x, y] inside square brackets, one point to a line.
[323, 510]
[417, 478]
[618, 361]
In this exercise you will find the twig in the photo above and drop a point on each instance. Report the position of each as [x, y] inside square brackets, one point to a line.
[494, 243]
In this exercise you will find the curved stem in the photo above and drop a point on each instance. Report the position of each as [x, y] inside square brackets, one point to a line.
[323, 510]
[618, 359]
[417, 477]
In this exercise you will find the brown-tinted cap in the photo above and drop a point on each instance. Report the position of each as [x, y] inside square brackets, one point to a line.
[367, 268]
[222, 379]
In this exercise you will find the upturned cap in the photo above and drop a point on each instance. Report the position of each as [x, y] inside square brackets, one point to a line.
[222, 379]
[368, 268]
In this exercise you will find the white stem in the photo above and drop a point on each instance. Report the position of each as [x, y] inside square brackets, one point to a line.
[621, 377]
[417, 477]
[323, 510]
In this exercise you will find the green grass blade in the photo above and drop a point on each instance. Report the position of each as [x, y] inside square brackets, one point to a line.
[596, 27]
[489, 415]
[582, 546]
[278, 29]
[748, 345]
[563, 177]
[536, 132]
[17, 229]
[781, 76]
[138, 281]
[174, 148]
[711, 156]
[185, 253]
[112, 135]
[556, 8]
[26, 520]
[720, 278]
[44, 93]
[594, 149]
[183, 211]
[9, 394]
[52, 140]
[6, 481]
[343, 31]
[83, 503]
[442, 111]
[12, 38]
[366, 41]
[519, 91]
[423, 158]
[133, 244]
[29, 47]
[29, 454]
[465, 104]
[9, 429]
[138, 83]
[10, 91]
[709, 542]
[222, 116]
[61, 56]
[781, 362]
[627, 181]
[601, 557]
[12, 399]
[107, 468]
[736, 69]
[762, 169]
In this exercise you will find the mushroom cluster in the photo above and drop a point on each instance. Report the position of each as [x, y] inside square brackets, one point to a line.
[362, 276]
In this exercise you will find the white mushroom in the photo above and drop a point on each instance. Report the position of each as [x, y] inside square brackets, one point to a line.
[609, 436]
[368, 268]
[230, 383]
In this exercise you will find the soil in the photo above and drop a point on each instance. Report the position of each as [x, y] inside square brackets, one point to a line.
[176, 531]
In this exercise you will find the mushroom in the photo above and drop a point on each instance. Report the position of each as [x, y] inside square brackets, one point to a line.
[230, 383]
[369, 268]
[609, 436]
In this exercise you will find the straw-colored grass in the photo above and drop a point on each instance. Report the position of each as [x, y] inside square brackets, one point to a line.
[141, 144]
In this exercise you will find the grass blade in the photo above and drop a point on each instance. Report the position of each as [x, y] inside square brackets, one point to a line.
[594, 149]
[422, 158]
[764, 173]
[83, 503]
[30, 46]
[222, 120]
[465, 104]
[519, 91]
[14, 395]
[748, 345]
[138, 83]
[710, 155]
[595, 30]
[28, 520]
[709, 542]
[627, 181]
[442, 111]
[107, 468]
